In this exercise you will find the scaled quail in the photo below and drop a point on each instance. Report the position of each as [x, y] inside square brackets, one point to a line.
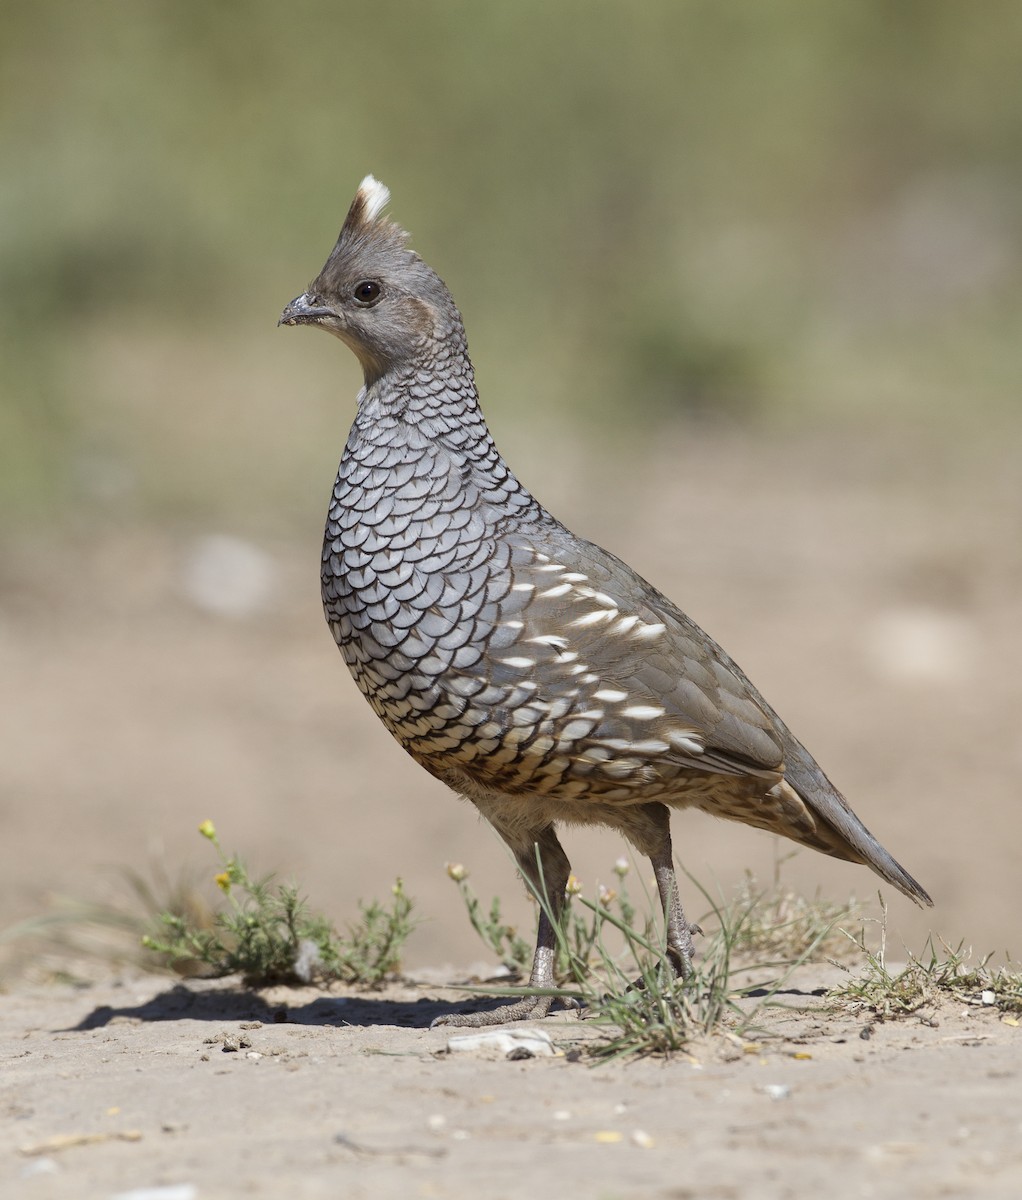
[532, 671]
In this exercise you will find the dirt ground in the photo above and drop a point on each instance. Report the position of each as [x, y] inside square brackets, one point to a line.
[205, 1091]
[150, 680]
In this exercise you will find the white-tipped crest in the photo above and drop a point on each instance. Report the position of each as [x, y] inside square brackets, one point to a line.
[376, 196]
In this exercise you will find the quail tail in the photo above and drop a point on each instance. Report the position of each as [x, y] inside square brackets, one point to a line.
[849, 838]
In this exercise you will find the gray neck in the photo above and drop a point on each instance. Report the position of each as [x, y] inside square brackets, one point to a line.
[430, 399]
[420, 445]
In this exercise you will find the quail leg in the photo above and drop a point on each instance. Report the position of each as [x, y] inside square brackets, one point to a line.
[680, 947]
[546, 868]
[648, 828]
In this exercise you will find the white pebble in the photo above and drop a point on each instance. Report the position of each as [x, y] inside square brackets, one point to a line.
[40, 1166]
[503, 1041]
[173, 1191]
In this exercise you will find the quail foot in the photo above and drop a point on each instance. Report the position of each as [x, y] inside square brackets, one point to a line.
[532, 671]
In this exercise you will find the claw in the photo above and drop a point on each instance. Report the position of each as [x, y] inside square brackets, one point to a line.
[531, 1008]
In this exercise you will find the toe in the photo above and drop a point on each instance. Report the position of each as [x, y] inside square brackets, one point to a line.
[531, 1008]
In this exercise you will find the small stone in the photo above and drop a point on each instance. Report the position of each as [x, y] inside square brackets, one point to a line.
[40, 1166]
[173, 1191]
[516, 1043]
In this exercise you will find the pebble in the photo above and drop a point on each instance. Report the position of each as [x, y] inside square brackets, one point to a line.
[172, 1191]
[531, 1043]
[40, 1166]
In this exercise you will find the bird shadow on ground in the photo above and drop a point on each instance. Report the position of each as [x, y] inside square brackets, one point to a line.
[183, 1003]
[220, 1000]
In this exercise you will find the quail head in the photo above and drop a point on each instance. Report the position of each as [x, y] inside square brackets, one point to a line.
[532, 671]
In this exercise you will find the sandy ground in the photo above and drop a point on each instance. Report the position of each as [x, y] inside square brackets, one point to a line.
[871, 591]
[206, 1091]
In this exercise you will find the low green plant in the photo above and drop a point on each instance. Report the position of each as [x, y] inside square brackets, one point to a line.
[611, 958]
[498, 936]
[657, 1013]
[781, 923]
[68, 939]
[265, 932]
[580, 930]
[889, 992]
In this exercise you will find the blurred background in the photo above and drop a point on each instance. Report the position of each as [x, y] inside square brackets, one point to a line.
[743, 286]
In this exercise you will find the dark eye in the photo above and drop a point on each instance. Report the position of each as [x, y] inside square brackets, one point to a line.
[367, 292]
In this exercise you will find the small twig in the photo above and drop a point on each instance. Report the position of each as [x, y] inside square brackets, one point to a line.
[342, 1139]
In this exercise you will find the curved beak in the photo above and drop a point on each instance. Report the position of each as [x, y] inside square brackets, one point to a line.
[305, 309]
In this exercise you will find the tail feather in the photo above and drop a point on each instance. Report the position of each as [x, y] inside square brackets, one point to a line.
[852, 840]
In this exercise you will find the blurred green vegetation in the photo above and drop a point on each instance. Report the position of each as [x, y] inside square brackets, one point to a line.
[673, 210]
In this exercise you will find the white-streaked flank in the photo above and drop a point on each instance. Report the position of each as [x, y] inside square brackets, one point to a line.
[594, 617]
[650, 631]
[376, 194]
[643, 712]
[687, 741]
[549, 639]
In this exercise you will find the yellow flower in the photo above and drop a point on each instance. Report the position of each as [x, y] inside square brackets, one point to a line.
[574, 886]
[223, 881]
[456, 872]
[208, 830]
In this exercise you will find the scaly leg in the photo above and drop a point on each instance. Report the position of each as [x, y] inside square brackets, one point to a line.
[648, 828]
[546, 868]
